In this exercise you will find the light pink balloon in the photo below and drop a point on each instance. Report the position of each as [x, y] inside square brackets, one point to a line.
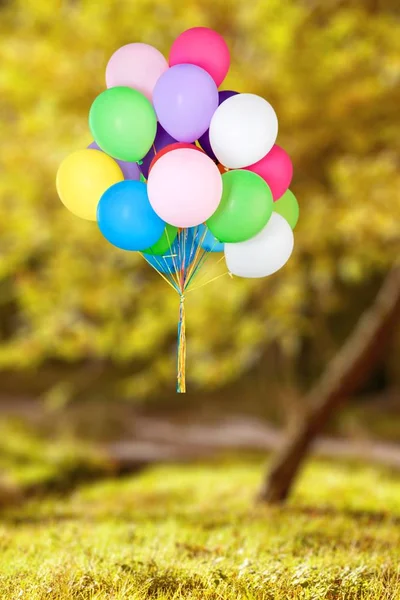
[276, 169]
[137, 66]
[184, 187]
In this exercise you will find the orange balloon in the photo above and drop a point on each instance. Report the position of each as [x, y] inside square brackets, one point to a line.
[222, 169]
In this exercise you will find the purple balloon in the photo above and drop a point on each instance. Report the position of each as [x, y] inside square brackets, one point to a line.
[130, 170]
[162, 139]
[204, 140]
[185, 98]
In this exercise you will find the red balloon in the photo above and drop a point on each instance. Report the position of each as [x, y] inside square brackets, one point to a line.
[173, 147]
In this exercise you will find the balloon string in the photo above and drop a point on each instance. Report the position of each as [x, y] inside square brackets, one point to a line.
[202, 261]
[179, 279]
[195, 269]
[200, 266]
[199, 255]
[175, 272]
[197, 287]
[182, 248]
[192, 255]
[187, 255]
[181, 259]
[181, 349]
[171, 272]
[171, 283]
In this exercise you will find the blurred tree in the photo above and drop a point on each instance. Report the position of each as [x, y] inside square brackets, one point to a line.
[342, 377]
[332, 71]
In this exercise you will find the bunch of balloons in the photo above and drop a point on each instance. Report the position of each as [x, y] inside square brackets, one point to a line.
[178, 169]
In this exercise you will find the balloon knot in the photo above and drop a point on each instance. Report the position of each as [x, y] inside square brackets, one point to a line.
[139, 162]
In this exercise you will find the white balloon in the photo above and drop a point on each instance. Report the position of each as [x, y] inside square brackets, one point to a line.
[243, 130]
[263, 254]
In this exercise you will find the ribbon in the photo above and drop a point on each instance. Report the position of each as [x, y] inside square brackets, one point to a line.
[181, 348]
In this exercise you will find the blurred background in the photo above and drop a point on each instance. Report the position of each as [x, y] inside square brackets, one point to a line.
[88, 332]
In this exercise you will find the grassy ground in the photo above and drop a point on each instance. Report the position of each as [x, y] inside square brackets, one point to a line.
[194, 532]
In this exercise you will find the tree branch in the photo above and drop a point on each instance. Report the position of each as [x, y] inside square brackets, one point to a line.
[343, 376]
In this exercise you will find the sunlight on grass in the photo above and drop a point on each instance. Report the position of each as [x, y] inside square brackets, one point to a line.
[195, 532]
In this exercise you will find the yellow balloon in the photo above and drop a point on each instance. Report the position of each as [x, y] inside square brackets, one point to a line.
[82, 179]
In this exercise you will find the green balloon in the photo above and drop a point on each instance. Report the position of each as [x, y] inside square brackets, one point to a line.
[245, 208]
[123, 123]
[288, 207]
[165, 242]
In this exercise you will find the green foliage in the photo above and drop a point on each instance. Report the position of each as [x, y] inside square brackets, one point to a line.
[33, 464]
[331, 70]
[192, 532]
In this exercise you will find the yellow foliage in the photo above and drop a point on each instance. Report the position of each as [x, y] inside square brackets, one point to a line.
[331, 70]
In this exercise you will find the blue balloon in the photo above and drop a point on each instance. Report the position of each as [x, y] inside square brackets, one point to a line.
[208, 241]
[126, 217]
[182, 253]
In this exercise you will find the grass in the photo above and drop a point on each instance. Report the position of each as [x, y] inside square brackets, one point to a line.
[194, 532]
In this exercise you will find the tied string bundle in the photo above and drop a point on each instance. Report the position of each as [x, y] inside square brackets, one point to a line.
[180, 267]
[181, 349]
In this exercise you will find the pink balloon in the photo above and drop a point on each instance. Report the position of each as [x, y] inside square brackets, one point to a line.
[276, 169]
[137, 66]
[202, 47]
[184, 187]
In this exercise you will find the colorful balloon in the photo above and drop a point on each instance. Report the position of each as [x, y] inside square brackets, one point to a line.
[184, 187]
[263, 254]
[123, 123]
[288, 207]
[204, 140]
[163, 245]
[129, 169]
[138, 66]
[162, 139]
[202, 47]
[245, 207]
[222, 169]
[208, 241]
[82, 178]
[243, 130]
[185, 98]
[176, 146]
[126, 218]
[276, 169]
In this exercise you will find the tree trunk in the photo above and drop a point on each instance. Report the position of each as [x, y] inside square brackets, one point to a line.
[350, 367]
